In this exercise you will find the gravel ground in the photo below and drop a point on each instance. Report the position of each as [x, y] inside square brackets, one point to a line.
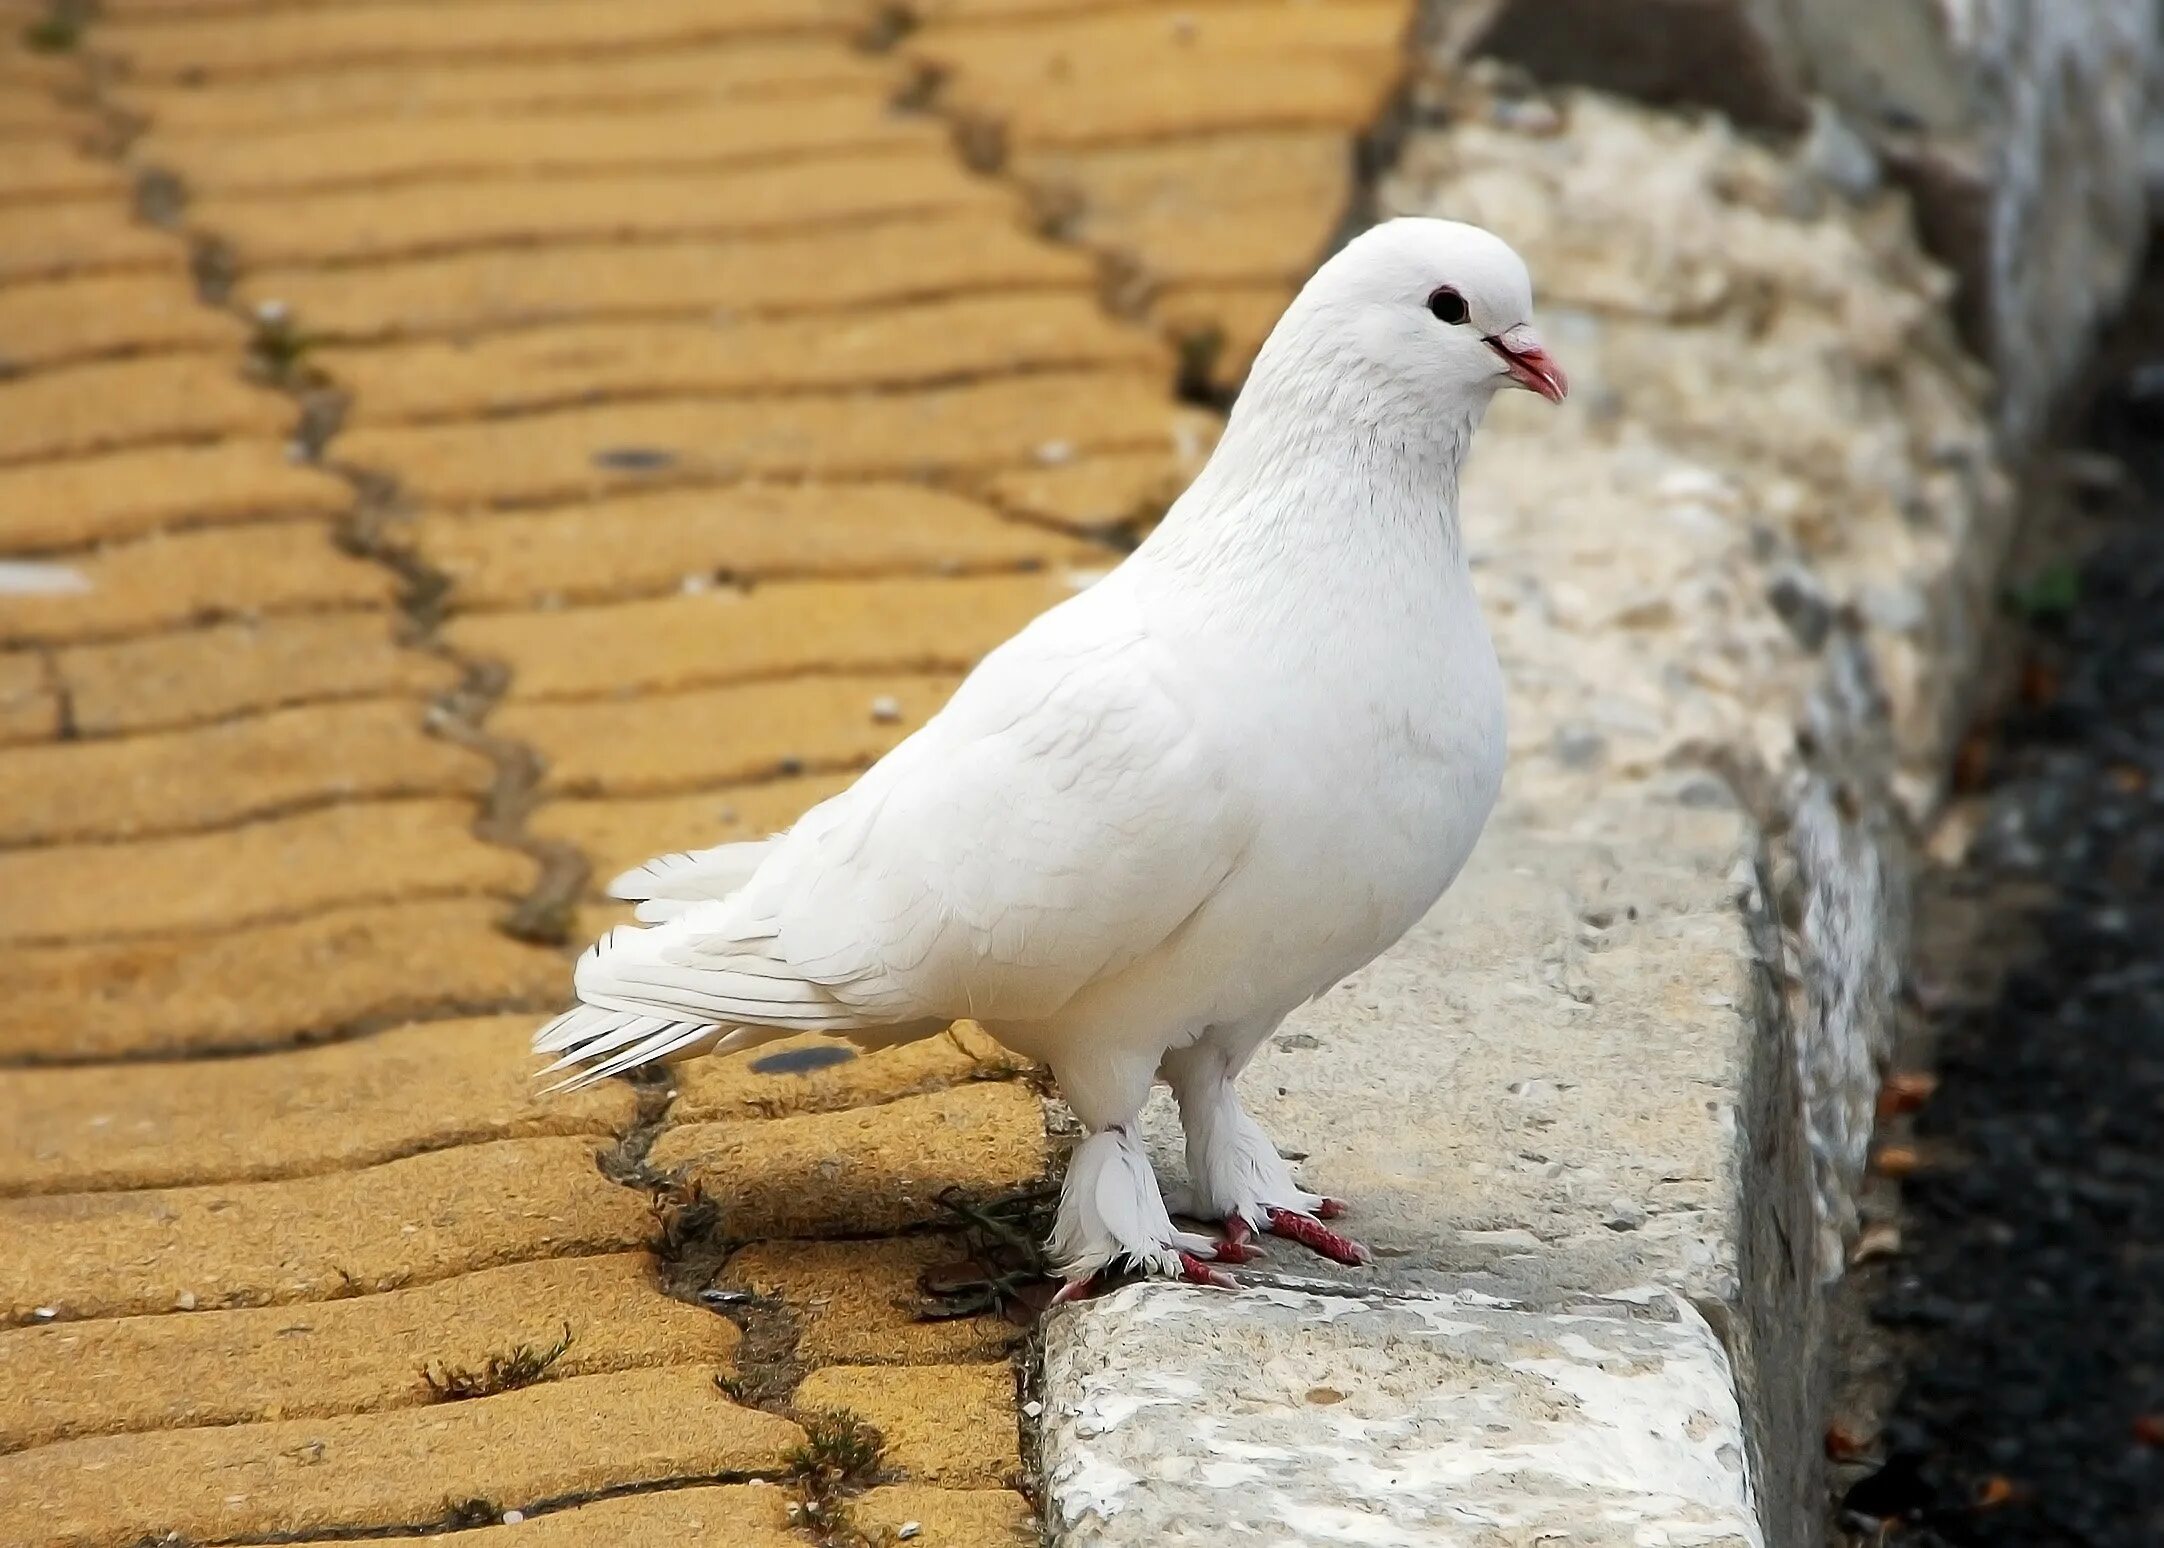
[2026, 1301]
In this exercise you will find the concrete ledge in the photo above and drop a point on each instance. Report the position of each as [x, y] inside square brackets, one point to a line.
[1736, 585]
[1365, 1419]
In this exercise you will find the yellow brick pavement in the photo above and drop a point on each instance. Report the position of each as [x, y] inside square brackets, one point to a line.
[449, 451]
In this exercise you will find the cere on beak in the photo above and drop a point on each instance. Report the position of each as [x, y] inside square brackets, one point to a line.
[1528, 364]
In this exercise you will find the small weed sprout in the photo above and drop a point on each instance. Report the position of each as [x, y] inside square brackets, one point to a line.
[504, 1373]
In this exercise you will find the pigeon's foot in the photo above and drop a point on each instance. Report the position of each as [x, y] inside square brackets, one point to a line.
[1310, 1232]
[1110, 1213]
[1192, 1270]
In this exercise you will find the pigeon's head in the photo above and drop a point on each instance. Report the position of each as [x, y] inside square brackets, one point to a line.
[1430, 314]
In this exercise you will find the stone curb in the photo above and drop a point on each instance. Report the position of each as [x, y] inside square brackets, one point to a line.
[1604, 1114]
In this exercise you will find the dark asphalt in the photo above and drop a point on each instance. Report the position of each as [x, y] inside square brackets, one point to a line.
[2029, 1292]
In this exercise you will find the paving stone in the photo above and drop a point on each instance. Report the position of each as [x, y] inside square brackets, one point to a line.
[1108, 100]
[558, 1439]
[533, 142]
[363, 1354]
[860, 1303]
[128, 493]
[865, 1169]
[859, 267]
[266, 986]
[426, 218]
[751, 1515]
[47, 171]
[903, 624]
[205, 776]
[616, 835]
[945, 1518]
[94, 407]
[749, 69]
[1229, 321]
[1199, 176]
[942, 1424]
[31, 115]
[50, 322]
[1098, 492]
[791, 1076]
[744, 532]
[170, 578]
[574, 453]
[29, 708]
[46, 241]
[338, 855]
[289, 1114]
[330, 37]
[1280, 242]
[680, 741]
[382, 1227]
[885, 347]
[225, 669]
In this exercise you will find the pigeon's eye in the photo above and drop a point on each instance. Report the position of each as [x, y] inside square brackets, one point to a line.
[1447, 305]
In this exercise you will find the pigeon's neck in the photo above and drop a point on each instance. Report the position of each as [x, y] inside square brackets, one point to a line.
[1327, 470]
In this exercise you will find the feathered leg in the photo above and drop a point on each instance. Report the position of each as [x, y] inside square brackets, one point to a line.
[1110, 1209]
[1235, 1174]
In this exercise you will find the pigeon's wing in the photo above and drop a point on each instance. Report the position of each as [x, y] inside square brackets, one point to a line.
[667, 885]
[1062, 820]
[1059, 820]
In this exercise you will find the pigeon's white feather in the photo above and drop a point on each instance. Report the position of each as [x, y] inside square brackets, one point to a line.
[668, 884]
[1177, 805]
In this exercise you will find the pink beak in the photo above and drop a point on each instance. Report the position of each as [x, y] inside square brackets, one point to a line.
[1529, 365]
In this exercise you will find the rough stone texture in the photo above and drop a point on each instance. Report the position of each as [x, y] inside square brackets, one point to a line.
[944, 1424]
[1097, 493]
[903, 346]
[688, 741]
[744, 533]
[208, 776]
[314, 1238]
[2018, 129]
[229, 669]
[859, 1303]
[266, 987]
[337, 856]
[291, 1114]
[188, 48]
[869, 1168]
[765, 1083]
[619, 834]
[356, 224]
[559, 1439]
[785, 630]
[358, 1355]
[1454, 1419]
[529, 142]
[171, 578]
[105, 404]
[128, 493]
[29, 705]
[753, 1515]
[39, 242]
[855, 268]
[749, 69]
[58, 321]
[945, 1518]
[973, 427]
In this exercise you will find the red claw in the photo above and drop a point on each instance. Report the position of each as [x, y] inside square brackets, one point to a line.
[1197, 1272]
[1317, 1237]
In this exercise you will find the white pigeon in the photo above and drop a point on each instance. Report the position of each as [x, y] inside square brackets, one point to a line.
[1172, 809]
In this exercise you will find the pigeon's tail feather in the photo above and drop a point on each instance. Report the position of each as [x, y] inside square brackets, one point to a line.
[593, 1043]
[667, 885]
[662, 995]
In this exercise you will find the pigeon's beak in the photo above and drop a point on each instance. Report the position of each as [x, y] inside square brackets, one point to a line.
[1528, 363]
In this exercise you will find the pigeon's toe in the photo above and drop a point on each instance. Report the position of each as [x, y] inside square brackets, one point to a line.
[1310, 1232]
